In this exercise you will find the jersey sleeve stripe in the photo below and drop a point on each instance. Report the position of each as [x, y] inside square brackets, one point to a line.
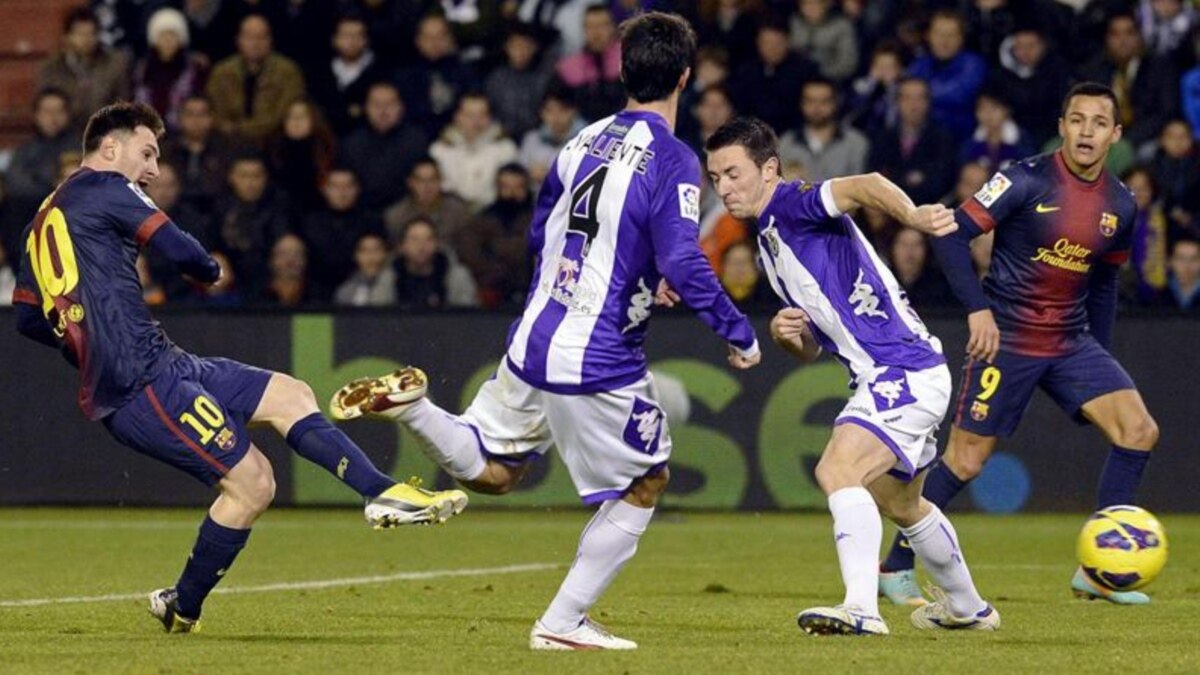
[149, 226]
[24, 296]
[162, 415]
[1116, 257]
[978, 215]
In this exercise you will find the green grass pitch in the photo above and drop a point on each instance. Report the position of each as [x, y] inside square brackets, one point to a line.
[707, 593]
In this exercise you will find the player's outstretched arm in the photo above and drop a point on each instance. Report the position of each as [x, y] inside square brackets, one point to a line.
[872, 190]
[790, 330]
[187, 253]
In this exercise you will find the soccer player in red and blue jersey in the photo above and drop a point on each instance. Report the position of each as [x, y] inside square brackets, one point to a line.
[78, 292]
[1044, 317]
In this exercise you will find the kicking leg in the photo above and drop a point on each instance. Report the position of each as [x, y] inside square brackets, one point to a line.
[608, 542]
[956, 604]
[246, 492]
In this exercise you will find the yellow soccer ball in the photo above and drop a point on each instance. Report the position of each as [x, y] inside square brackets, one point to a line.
[1122, 547]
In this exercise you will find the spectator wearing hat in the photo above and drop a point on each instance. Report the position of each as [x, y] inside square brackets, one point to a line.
[169, 73]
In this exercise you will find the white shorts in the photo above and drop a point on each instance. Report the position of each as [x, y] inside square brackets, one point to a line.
[903, 408]
[607, 440]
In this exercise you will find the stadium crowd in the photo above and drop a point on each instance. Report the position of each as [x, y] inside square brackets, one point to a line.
[388, 152]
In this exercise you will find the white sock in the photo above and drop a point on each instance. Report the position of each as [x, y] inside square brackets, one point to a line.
[607, 543]
[857, 532]
[446, 439]
[935, 542]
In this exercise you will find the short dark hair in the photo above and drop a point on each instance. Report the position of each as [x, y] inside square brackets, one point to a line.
[1148, 172]
[1093, 89]
[514, 168]
[424, 160]
[656, 49]
[123, 117]
[51, 92]
[753, 134]
[79, 15]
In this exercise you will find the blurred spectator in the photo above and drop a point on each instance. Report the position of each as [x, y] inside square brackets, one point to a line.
[872, 105]
[301, 154]
[730, 24]
[426, 200]
[427, 277]
[718, 229]
[955, 76]
[910, 261]
[516, 86]
[226, 292]
[392, 25]
[1176, 166]
[333, 229]
[213, 25]
[340, 85]
[1190, 86]
[471, 150]
[560, 122]
[768, 86]
[1146, 86]
[1183, 287]
[988, 22]
[594, 72]
[1030, 75]
[476, 26]
[199, 152]
[166, 76]
[827, 39]
[252, 89]
[563, 18]
[248, 220]
[373, 283]
[971, 178]
[1166, 27]
[874, 22]
[432, 82]
[714, 108]
[289, 284]
[712, 69]
[166, 191]
[822, 147]
[382, 152]
[879, 228]
[303, 28]
[93, 74]
[493, 245]
[997, 141]
[1151, 233]
[8, 279]
[33, 171]
[741, 279]
[915, 153]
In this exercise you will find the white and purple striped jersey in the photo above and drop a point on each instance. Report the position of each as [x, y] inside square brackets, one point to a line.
[618, 211]
[817, 259]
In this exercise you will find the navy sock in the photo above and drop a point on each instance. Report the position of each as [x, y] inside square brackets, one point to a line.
[316, 439]
[216, 547]
[941, 486]
[1121, 475]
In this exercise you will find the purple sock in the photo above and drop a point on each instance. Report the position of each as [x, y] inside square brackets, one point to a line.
[1121, 475]
[941, 486]
[316, 439]
[216, 548]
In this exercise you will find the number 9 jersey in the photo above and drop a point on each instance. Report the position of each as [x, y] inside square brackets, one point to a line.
[79, 267]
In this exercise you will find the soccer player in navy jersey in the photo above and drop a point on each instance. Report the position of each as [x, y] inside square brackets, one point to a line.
[78, 292]
[617, 215]
[1044, 317]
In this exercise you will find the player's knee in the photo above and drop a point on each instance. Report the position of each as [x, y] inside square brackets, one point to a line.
[832, 474]
[497, 479]
[965, 459]
[1141, 435]
[299, 391]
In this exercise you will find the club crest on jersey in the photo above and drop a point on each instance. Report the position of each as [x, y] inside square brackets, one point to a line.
[644, 427]
[890, 390]
[989, 193]
[566, 289]
[1108, 224]
[979, 411]
[689, 202]
[75, 313]
[771, 235]
[864, 299]
[226, 439]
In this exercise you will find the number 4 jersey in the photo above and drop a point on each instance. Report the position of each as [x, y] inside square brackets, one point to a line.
[79, 268]
[619, 210]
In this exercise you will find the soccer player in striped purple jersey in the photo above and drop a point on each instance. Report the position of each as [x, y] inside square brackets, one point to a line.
[840, 297]
[1043, 317]
[617, 217]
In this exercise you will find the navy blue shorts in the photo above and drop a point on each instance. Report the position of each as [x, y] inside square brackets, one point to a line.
[994, 397]
[193, 416]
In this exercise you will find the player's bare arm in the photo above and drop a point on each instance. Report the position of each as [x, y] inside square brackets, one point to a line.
[790, 330]
[873, 191]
